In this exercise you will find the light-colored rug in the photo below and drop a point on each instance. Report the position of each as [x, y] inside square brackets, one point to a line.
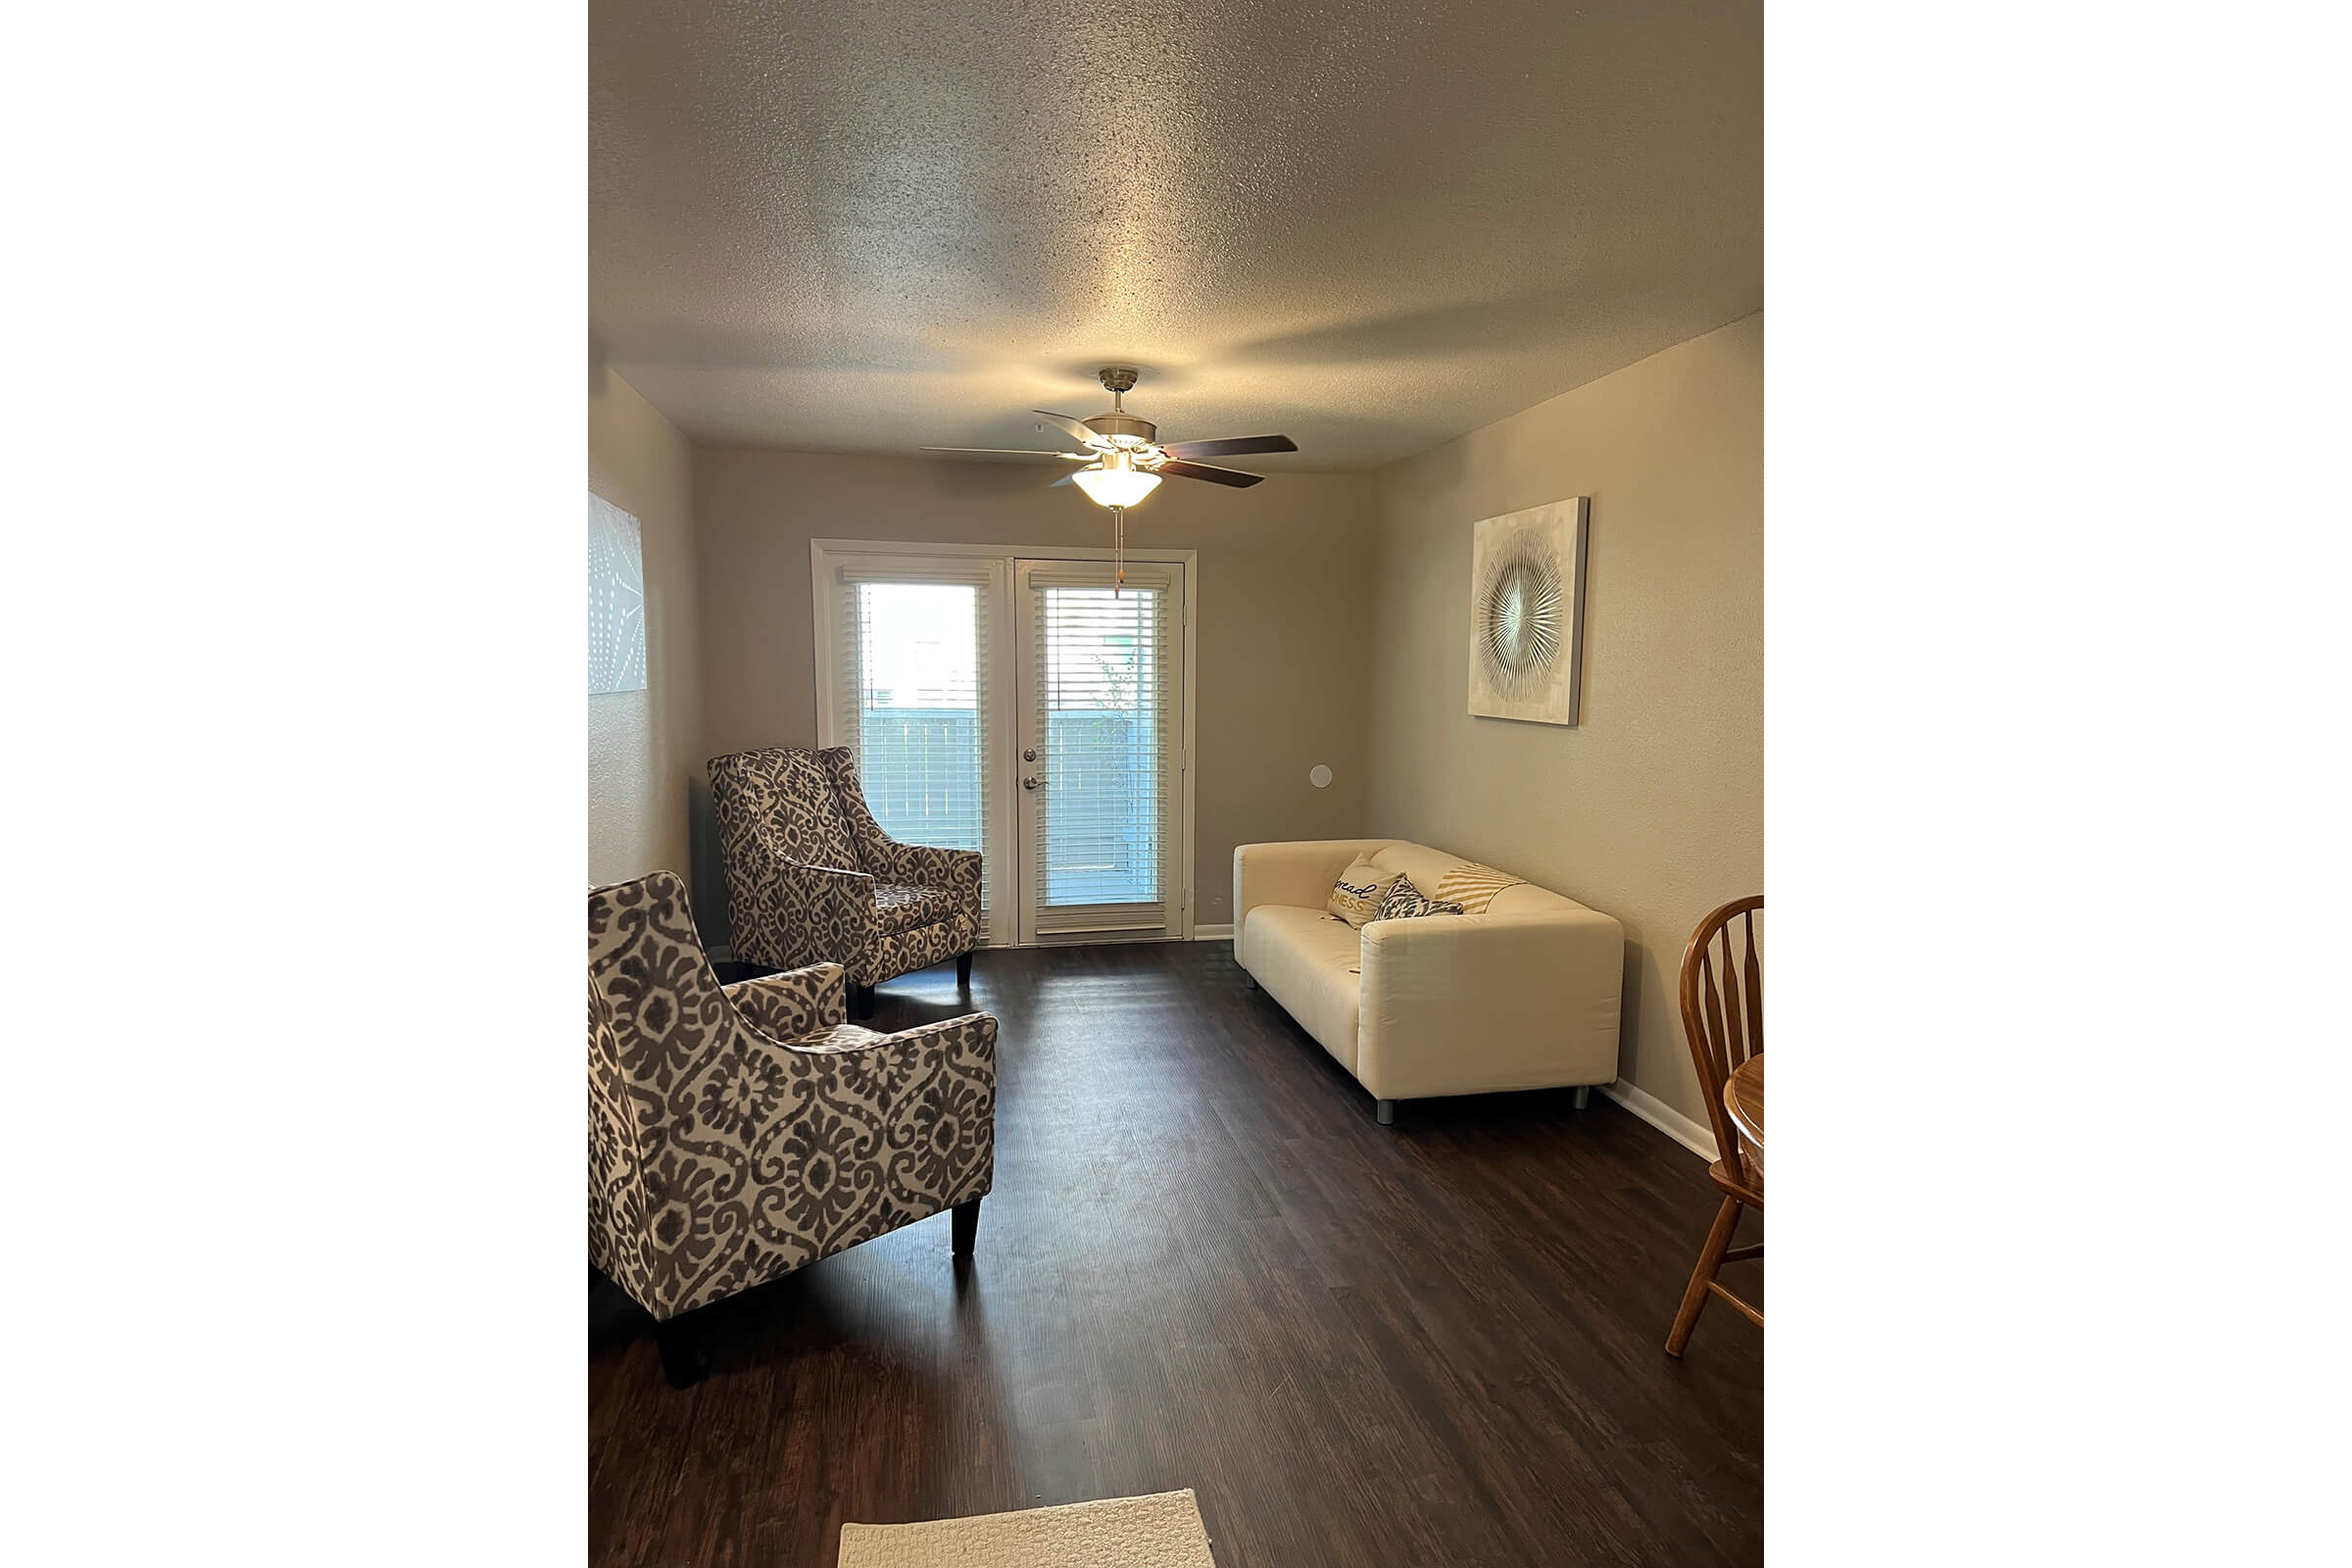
[1161, 1531]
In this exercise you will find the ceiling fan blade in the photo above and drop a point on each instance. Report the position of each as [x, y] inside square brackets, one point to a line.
[1000, 452]
[1075, 428]
[1202, 471]
[1232, 446]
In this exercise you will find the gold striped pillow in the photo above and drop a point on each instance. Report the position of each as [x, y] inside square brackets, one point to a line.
[1473, 886]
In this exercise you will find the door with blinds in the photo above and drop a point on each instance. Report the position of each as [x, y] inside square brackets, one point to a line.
[919, 700]
[1102, 755]
[1021, 707]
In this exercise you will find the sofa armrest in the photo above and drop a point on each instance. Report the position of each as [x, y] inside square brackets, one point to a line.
[793, 1002]
[1298, 874]
[1475, 1004]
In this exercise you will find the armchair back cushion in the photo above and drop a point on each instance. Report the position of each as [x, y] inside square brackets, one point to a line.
[790, 798]
[868, 843]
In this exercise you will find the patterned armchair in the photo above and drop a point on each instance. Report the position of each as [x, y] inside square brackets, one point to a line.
[736, 1133]
[812, 877]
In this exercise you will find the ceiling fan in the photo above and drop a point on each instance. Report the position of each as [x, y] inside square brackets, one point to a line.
[1125, 459]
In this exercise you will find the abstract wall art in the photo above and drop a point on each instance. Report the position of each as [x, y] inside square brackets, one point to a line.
[615, 599]
[1527, 613]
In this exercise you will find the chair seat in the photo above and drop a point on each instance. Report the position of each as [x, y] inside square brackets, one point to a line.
[841, 1037]
[899, 908]
[1750, 1191]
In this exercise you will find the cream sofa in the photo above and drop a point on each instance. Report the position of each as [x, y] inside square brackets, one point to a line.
[1523, 995]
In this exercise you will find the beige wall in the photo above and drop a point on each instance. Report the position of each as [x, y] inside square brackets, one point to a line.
[643, 747]
[1652, 808]
[1334, 629]
[1284, 604]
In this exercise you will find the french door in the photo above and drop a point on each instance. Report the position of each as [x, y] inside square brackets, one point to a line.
[1101, 749]
[1027, 706]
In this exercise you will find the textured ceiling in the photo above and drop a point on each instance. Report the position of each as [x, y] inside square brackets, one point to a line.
[863, 225]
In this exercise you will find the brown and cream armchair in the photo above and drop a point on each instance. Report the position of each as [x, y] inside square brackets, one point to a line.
[812, 877]
[737, 1133]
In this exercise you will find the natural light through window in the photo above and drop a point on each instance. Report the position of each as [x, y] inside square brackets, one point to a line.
[918, 715]
[1104, 738]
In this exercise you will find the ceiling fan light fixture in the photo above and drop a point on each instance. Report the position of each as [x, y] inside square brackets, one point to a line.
[1117, 483]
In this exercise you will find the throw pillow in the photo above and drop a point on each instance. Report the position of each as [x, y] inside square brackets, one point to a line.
[1473, 886]
[1355, 896]
[1407, 902]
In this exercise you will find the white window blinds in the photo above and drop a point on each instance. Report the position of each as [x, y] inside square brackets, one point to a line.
[913, 706]
[1104, 710]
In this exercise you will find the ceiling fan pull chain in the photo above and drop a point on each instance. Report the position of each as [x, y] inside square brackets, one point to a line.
[1119, 549]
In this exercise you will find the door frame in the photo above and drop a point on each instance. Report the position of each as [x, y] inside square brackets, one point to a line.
[826, 554]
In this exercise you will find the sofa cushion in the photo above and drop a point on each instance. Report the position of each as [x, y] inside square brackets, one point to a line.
[1355, 896]
[1429, 870]
[1308, 961]
[1425, 865]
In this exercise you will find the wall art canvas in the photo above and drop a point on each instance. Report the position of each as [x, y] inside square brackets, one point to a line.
[1527, 613]
[615, 599]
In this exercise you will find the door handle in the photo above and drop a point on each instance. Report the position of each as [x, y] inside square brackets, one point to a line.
[1032, 782]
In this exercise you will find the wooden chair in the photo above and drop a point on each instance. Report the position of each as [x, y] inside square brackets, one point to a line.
[1723, 1017]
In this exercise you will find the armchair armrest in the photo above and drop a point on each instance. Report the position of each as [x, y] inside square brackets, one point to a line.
[819, 900]
[796, 1001]
[925, 866]
[1299, 873]
[1458, 1004]
[932, 1091]
[822, 876]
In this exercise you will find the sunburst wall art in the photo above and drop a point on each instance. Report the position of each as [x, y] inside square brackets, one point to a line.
[1527, 613]
[615, 600]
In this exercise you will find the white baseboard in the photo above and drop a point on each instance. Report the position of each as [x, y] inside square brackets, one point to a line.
[1214, 933]
[1696, 1137]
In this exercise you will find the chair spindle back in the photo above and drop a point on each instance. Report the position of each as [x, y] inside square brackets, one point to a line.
[1722, 1010]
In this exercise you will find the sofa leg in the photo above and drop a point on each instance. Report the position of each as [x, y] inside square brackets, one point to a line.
[1249, 979]
[1385, 1113]
[964, 971]
[966, 1225]
[862, 1002]
[1584, 1096]
[685, 1352]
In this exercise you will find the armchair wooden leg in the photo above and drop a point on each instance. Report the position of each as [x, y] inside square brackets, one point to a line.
[1384, 1112]
[967, 1227]
[1710, 1259]
[685, 1350]
[862, 1002]
[964, 971]
[1584, 1096]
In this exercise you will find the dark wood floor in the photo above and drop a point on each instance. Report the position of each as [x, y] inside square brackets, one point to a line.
[1203, 1265]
